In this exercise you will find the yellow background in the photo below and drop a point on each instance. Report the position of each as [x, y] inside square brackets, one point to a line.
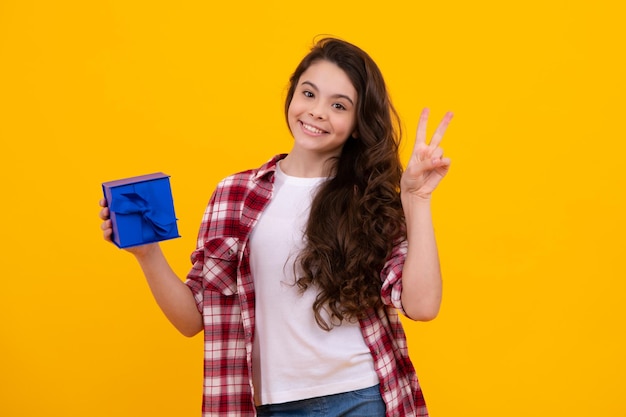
[530, 220]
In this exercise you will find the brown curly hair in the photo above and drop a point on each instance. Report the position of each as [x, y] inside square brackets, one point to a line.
[356, 216]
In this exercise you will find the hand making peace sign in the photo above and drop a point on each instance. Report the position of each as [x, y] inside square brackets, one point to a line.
[427, 166]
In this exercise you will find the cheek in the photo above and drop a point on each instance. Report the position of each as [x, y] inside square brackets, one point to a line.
[350, 125]
[296, 108]
[293, 113]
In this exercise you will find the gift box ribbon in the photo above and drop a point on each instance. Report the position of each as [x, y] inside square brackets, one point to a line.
[133, 203]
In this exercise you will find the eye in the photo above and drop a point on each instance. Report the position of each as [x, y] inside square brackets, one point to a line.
[339, 106]
[307, 93]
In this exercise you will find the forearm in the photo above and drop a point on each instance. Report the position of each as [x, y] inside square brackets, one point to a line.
[171, 294]
[421, 275]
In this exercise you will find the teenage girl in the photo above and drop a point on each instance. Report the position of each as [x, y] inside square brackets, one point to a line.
[303, 264]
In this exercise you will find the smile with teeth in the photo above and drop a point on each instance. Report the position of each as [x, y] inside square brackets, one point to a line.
[312, 129]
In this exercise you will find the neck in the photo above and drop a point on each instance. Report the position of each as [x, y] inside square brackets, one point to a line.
[297, 164]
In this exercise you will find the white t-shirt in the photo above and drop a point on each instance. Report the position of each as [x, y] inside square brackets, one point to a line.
[292, 357]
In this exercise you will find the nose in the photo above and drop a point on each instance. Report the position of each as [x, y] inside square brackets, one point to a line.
[316, 112]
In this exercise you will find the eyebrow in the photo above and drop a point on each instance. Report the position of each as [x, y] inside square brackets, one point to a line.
[334, 95]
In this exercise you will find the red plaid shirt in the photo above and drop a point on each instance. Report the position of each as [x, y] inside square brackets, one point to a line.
[223, 288]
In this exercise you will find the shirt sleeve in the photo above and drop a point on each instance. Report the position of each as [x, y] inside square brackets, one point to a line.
[391, 275]
[195, 276]
[215, 258]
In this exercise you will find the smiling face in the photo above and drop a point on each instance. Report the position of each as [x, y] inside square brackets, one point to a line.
[322, 112]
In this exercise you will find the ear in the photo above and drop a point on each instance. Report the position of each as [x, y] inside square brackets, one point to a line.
[355, 134]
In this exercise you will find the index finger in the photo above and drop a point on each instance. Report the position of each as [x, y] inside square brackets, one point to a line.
[441, 129]
[420, 136]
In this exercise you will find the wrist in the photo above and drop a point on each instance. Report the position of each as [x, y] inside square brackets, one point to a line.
[411, 199]
[417, 210]
[144, 252]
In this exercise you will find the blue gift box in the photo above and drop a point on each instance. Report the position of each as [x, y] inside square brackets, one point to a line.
[141, 209]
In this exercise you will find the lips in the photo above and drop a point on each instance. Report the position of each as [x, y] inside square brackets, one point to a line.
[312, 129]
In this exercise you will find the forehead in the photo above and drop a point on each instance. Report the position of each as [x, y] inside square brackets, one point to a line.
[329, 79]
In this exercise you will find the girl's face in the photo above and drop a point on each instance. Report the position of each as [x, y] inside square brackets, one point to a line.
[322, 112]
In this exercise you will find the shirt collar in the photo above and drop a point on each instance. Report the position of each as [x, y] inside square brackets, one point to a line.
[268, 169]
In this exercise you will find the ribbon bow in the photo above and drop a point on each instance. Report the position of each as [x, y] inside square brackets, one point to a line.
[134, 203]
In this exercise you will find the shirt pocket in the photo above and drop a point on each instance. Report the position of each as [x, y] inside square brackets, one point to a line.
[220, 264]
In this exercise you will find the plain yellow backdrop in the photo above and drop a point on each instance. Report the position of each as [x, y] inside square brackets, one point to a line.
[530, 220]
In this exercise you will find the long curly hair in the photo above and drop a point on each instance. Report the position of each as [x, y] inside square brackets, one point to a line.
[356, 216]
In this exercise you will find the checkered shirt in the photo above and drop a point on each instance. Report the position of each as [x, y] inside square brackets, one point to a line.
[223, 288]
